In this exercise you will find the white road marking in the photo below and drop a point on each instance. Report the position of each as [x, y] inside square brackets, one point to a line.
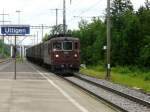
[73, 101]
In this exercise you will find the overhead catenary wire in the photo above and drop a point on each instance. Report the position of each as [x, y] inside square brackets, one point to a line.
[89, 8]
[86, 10]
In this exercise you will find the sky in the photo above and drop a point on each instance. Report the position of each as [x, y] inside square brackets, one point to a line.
[37, 12]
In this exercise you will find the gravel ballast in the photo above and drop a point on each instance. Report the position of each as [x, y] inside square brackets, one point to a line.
[121, 102]
[117, 87]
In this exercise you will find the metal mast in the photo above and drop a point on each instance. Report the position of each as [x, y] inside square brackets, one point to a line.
[56, 15]
[18, 11]
[64, 16]
[3, 21]
[108, 41]
[147, 4]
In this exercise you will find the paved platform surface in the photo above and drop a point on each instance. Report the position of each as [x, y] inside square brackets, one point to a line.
[37, 90]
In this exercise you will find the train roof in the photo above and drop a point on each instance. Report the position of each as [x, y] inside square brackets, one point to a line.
[64, 38]
[58, 39]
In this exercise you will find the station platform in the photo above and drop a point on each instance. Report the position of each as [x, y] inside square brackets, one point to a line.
[37, 90]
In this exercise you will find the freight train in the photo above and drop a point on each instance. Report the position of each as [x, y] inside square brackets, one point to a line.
[60, 54]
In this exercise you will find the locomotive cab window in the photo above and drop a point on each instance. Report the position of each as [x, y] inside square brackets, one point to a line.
[67, 46]
[57, 46]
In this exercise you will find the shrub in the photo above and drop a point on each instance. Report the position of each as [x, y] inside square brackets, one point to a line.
[147, 77]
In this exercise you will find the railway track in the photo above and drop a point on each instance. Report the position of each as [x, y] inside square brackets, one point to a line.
[120, 100]
[128, 96]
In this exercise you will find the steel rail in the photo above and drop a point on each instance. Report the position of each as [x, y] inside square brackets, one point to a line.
[110, 104]
[132, 98]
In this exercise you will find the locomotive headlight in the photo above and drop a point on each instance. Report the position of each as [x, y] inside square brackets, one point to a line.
[57, 56]
[75, 55]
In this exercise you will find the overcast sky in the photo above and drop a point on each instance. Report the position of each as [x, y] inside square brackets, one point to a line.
[36, 12]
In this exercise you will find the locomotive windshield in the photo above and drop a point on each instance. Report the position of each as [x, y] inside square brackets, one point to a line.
[67, 46]
[57, 46]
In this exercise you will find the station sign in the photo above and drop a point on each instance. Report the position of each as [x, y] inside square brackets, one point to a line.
[11, 30]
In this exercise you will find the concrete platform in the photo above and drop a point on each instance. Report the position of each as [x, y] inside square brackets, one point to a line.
[37, 90]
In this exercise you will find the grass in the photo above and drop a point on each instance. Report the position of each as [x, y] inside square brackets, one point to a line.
[128, 76]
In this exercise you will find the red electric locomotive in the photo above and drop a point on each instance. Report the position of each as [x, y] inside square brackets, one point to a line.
[61, 54]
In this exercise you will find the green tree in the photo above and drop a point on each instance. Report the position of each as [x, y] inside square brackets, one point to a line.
[145, 52]
[45, 38]
[130, 36]
[144, 16]
[92, 37]
[56, 30]
[121, 12]
[119, 7]
[4, 50]
[131, 42]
